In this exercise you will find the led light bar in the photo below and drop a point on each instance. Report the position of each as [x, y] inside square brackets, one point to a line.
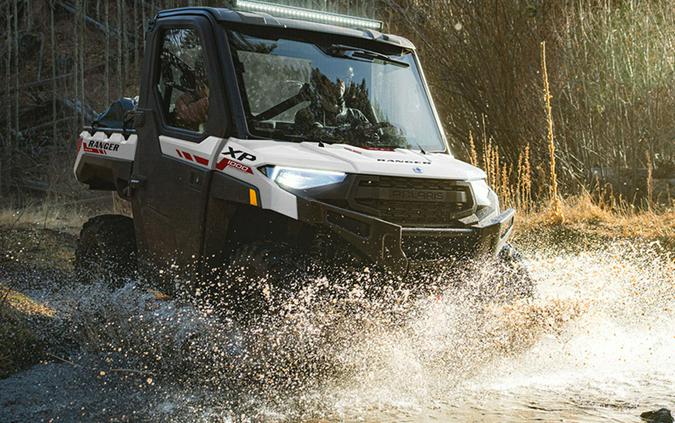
[292, 12]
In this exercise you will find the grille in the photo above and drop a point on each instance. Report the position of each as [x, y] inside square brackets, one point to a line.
[413, 202]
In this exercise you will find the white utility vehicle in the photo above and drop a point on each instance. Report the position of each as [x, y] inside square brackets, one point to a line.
[265, 131]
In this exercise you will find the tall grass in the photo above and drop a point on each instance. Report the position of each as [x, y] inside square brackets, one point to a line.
[616, 82]
[514, 185]
[650, 181]
[556, 211]
[610, 66]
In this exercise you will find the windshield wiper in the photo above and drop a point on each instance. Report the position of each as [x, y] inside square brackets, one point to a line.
[341, 50]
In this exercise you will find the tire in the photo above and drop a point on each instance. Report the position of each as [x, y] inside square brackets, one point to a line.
[106, 250]
[261, 277]
[515, 280]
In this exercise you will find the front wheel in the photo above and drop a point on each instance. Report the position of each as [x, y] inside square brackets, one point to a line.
[513, 278]
[501, 279]
[262, 277]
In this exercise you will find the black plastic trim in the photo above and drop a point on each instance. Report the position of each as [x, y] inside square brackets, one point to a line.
[382, 241]
[216, 125]
[225, 187]
[104, 173]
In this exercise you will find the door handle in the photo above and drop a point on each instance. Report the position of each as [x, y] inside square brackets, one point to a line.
[135, 182]
[195, 179]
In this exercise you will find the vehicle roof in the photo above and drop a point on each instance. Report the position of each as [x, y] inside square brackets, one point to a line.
[264, 19]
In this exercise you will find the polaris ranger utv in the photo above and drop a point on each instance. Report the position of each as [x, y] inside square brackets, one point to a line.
[258, 137]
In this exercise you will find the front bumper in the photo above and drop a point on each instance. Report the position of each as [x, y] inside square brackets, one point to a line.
[383, 242]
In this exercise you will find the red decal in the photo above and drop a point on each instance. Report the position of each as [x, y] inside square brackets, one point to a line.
[378, 148]
[92, 150]
[223, 163]
[187, 156]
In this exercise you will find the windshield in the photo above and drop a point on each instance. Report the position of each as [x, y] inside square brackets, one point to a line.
[335, 93]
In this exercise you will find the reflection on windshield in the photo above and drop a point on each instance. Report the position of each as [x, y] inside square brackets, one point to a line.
[299, 91]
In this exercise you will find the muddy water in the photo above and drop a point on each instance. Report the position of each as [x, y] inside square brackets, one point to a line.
[597, 344]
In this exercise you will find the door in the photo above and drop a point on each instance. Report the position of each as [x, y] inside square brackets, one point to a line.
[183, 123]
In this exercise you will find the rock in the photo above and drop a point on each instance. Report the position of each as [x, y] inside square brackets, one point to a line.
[659, 416]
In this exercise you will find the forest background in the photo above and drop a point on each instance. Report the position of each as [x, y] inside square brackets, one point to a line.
[609, 69]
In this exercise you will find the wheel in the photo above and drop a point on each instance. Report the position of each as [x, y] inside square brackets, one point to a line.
[261, 277]
[501, 279]
[514, 279]
[106, 250]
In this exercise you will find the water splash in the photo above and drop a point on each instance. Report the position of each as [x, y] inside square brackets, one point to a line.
[596, 343]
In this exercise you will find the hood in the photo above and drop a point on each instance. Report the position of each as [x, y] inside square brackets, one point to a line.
[351, 159]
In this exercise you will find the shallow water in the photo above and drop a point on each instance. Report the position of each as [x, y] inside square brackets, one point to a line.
[597, 344]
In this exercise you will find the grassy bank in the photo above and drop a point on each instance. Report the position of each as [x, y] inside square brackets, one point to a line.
[583, 217]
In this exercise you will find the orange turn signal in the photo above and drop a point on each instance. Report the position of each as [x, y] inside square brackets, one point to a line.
[252, 197]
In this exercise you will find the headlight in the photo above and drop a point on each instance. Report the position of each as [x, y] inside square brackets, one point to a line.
[295, 178]
[481, 191]
[484, 195]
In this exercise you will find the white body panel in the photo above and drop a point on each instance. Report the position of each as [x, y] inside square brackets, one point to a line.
[203, 154]
[349, 159]
[335, 157]
[241, 159]
[114, 147]
[232, 157]
[272, 197]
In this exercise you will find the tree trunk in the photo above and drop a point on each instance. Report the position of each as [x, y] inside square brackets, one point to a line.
[76, 35]
[4, 174]
[8, 71]
[16, 65]
[135, 32]
[119, 49]
[53, 45]
[107, 52]
[125, 55]
[143, 22]
[82, 54]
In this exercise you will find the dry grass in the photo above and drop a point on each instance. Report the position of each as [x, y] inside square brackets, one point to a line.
[21, 303]
[596, 211]
[48, 216]
[555, 206]
[473, 153]
[586, 215]
[650, 181]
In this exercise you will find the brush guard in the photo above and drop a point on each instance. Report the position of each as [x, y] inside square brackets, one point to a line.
[383, 242]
